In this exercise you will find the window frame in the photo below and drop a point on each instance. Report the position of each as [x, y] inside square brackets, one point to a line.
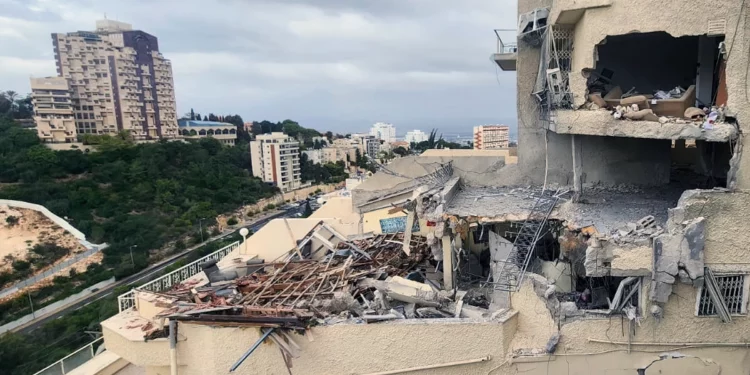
[745, 292]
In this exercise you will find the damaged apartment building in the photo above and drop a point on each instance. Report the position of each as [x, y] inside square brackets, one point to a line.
[615, 243]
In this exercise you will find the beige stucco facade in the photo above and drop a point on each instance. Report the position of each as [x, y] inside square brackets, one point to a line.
[114, 86]
[53, 110]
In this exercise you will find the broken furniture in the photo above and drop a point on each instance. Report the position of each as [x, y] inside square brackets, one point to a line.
[674, 107]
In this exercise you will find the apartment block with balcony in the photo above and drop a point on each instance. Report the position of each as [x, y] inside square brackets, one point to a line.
[275, 160]
[491, 137]
[53, 110]
[118, 81]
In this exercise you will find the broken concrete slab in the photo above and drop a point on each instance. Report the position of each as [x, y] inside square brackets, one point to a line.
[678, 254]
[601, 123]
[691, 256]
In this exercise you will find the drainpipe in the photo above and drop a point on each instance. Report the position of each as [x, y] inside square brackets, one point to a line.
[173, 347]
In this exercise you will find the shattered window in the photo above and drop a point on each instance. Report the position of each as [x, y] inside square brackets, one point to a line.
[732, 290]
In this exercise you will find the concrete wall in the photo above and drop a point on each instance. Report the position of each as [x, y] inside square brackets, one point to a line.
[346, 348]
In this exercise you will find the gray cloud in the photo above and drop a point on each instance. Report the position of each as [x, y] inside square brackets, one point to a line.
[330, 64]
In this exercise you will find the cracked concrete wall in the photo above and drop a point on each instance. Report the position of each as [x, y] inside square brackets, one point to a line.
[726, 240]
[678, 18]
[578, 355]
[607, 160]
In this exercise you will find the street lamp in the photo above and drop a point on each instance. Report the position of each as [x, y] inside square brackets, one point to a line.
[200, 225]
[132, 261]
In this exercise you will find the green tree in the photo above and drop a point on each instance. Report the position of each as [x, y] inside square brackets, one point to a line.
[400, 151]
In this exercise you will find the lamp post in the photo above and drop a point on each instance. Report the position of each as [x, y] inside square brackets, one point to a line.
[132, 260]
[200, 225]
[244, 232]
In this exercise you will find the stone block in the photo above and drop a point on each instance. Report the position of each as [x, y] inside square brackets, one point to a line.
[660, 292]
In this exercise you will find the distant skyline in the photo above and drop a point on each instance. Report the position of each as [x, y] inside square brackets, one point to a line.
[328, 64]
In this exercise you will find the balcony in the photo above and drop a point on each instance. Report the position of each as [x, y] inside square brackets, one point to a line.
[507, 53]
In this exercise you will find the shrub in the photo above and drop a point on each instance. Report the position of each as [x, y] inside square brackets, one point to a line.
[232, 221]
[269, 206]
[21, 265]
[11, 220]
[180, 245]
[215, 231]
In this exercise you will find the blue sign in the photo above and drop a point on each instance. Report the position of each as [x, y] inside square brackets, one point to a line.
[397, 225]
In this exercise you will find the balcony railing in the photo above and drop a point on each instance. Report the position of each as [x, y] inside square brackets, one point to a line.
[503, 47]
[506, 54]
[72, 360]
[127, 300]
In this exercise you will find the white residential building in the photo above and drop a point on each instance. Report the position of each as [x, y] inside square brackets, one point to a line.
[275, 159]
[314, 156]
[491, 137]
[384, 131]
[415, 136]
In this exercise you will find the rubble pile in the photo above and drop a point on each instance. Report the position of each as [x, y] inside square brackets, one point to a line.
[640, 233]
[363, 281]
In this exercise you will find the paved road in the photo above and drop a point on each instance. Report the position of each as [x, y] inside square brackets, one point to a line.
[149, 273]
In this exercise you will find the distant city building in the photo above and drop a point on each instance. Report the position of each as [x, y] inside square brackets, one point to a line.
[415, 136]
[384, 132]
[322, 140]
[491, 137]
[314, 156]
[225, 132]
[53, 110]
[275, 159]
[248, 126]
[368, 144]
[117, 80]
[403, 144]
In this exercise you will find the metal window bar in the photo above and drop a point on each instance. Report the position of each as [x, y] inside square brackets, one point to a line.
[514, 267]
[127, 300]
[72, 360]
[731, 289]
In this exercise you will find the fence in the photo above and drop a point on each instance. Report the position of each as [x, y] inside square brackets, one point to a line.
[51, 271]
[127, 300]
[40, 312]
[72, 360]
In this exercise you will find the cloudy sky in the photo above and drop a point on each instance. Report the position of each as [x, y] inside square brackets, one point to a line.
[335, 65]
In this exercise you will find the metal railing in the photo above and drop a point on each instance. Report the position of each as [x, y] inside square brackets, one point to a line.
[505, 47]
[127, 300]
[72, 360]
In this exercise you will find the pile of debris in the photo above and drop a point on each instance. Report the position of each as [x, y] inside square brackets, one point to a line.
[363, 281]
[640, 233]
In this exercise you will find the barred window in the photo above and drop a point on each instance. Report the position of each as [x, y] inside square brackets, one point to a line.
[732, 289]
